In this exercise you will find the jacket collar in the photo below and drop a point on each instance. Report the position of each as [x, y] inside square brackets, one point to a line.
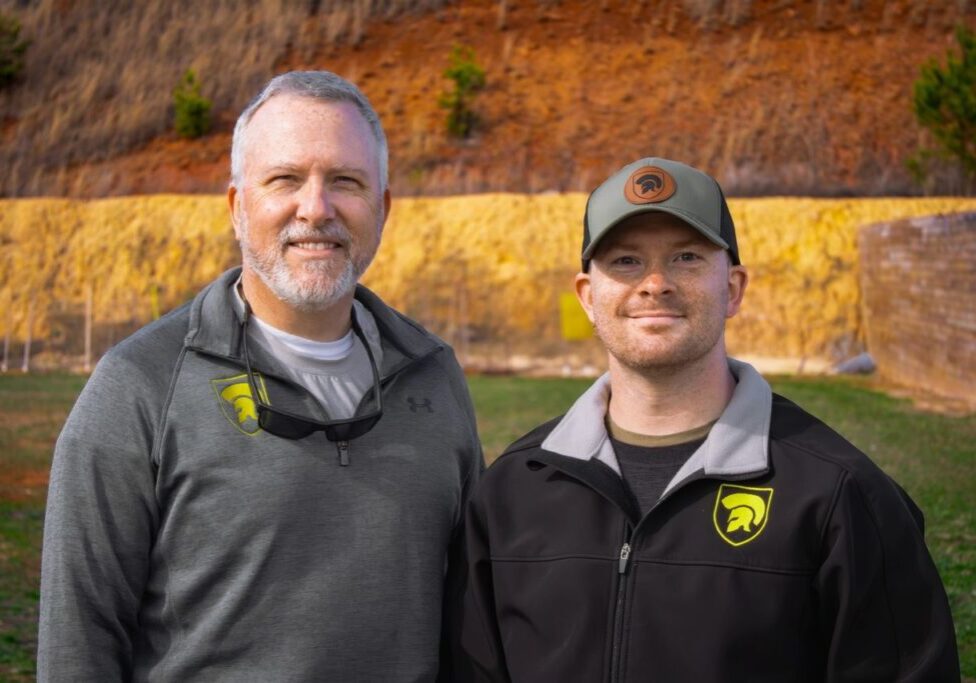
[737, 444]
[215, 326]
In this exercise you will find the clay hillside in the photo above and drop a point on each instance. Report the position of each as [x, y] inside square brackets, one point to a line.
[774, 96]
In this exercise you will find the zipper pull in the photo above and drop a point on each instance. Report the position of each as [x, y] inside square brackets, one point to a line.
[624, 558]
[343, 448]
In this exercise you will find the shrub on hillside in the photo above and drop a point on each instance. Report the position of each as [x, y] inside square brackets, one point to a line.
[191, 110]
[12, 50]
[945, 104]
[468, 78]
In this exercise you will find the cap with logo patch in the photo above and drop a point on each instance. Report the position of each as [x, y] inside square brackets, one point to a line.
[663, 186]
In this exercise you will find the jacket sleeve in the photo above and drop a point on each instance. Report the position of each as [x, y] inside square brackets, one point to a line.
[474, 466]
[98, 531]
[883, 609]
[477, 654]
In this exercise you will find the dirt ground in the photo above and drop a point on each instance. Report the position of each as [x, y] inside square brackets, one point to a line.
[771, 96]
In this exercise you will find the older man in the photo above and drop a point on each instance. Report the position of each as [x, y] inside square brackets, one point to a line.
[681, 522]
[263, 485]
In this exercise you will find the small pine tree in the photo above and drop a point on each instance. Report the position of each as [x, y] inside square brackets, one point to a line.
[12, 50]
[191, 110]
[945, 104]
[468, 78]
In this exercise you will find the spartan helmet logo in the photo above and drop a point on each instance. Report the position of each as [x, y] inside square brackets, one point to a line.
[649, 185]
[741, 512]
[649, 182]
[237, 404]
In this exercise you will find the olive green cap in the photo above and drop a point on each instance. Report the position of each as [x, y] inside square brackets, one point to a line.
[659, 185]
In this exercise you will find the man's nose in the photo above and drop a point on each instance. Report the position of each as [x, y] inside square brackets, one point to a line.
[656, 281]
[315, 203]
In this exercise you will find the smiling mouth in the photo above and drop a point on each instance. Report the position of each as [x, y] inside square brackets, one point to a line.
[316, 246]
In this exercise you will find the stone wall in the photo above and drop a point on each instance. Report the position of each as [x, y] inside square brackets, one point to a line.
[918, 292]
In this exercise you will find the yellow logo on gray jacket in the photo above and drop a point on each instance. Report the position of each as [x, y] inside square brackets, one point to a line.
[236, 402]
[741, 512]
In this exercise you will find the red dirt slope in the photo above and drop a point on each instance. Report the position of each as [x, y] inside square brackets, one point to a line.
[773, 96]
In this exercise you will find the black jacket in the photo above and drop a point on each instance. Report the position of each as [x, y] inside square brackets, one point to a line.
[779, 553]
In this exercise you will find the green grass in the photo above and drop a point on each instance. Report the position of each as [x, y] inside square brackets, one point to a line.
[932, 456]
[508, 407]
[32, 408]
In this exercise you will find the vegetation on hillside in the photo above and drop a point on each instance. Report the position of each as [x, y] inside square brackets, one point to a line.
[191, 110]
[12, 48]
[467, 78]
[945, 105]
[772, 96]
[101, 73]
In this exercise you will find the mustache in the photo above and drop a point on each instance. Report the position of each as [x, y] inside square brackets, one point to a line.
[332, 231]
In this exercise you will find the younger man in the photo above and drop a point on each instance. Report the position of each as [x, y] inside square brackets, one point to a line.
[681, 522]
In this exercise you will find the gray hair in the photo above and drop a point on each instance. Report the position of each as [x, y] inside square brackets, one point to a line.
[319, 85]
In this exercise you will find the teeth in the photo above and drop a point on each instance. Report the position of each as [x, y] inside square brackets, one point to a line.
[316, 246]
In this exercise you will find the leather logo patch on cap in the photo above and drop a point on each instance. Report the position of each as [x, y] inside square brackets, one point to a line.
[648, 185]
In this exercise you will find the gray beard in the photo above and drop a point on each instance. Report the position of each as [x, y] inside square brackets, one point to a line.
[325, 283]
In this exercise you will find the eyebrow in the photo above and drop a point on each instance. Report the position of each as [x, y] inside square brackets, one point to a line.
[350, 170]
[275, 168]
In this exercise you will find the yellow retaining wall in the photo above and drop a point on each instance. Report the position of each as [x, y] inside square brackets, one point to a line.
[488, 266]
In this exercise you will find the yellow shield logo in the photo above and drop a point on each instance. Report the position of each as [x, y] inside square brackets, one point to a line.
[236, 402]
[741, 512]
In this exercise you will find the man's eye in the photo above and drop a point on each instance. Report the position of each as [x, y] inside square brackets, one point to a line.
[625, 261]
[688, 256]
[347, 180]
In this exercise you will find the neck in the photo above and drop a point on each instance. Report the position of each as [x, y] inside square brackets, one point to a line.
[663, 401]
[321, 324]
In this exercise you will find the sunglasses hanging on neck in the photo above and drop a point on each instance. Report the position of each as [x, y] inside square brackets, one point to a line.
[290, 426]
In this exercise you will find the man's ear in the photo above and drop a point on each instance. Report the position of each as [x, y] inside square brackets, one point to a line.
[584, 293]
[387, 203]
[234, 204]
[738, 280]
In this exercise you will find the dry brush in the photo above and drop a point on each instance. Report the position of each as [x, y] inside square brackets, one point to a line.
[485, 271]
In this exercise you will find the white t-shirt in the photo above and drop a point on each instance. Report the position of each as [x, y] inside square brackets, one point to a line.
[336, 373]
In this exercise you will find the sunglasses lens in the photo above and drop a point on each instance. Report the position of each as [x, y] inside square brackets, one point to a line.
[351, 430]
[285, 426]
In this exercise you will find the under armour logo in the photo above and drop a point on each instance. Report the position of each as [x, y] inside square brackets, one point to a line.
[417, 406]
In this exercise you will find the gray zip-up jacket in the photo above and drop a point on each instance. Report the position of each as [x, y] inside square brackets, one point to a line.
[183, 543]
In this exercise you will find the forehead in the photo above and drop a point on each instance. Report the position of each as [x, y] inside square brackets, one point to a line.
[290, 129]
[653, 228]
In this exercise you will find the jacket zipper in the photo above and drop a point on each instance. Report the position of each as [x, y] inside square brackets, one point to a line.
[343, 448]
[623, 564]
[624, 558]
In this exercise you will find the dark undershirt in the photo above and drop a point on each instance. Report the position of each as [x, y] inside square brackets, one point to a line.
[647, 470]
